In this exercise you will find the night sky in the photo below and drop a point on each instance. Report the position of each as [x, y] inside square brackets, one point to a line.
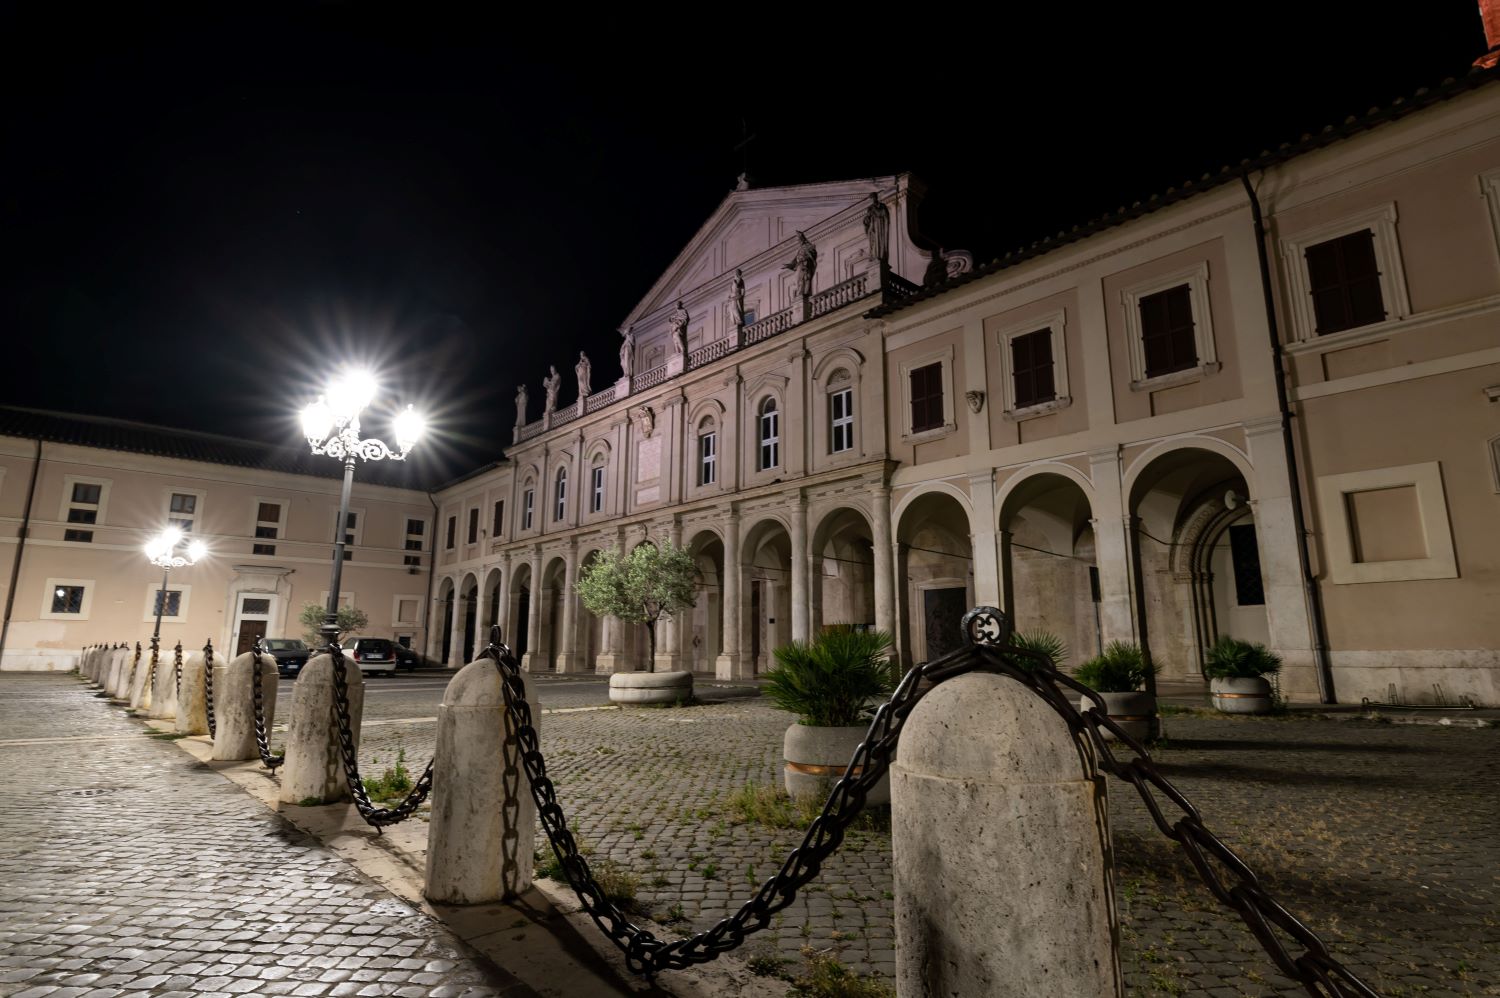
[202, 212]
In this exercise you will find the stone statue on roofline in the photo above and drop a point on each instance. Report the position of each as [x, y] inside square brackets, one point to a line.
[627, 354]
[878, 229]
[678, 320]
[737, 298]
[551, 383]
[520, 405]
[805, 263]
[585, 372]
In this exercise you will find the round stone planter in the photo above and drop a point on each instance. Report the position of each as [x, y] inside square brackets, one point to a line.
[817, 757]
[1134, 712]
[650, 687]
[1242, 696]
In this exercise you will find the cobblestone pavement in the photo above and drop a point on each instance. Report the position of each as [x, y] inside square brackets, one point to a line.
[1383, 837]
[127, 868]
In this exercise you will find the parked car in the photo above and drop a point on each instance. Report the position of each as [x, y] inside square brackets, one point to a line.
[290, 653]
[373, 655]
[407, 658]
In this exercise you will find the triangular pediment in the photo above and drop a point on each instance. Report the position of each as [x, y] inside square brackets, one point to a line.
[747, 225]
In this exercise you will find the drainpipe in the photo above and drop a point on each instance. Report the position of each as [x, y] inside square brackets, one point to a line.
[1311, 593]
[15, 568]
[431, 568]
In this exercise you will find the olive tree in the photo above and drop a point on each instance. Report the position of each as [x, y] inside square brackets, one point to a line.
[351, 619]
[651, 582]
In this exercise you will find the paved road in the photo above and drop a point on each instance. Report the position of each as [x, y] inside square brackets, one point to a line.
[127, 868]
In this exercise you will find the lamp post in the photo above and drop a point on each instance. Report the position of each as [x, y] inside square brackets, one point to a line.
[162, 551]
[331, 425]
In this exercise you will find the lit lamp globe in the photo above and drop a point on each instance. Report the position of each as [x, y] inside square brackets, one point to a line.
[317, 421]
[351, 394]
[409, 429]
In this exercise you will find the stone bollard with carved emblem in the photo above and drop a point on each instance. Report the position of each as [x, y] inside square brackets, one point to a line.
[1000, 842]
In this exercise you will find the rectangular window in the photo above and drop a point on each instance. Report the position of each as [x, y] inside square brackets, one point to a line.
[1167, 331]
[414, 531]
[1343, 277]
[708, 458]
[87, 493]
[268, 512]
[67, 599]
[263, 549]
[499, 528]
[927, 398]
[171, 606]
[182, 510]
[84, 508]
[267, 526]
[264, 532]
[1245, 554]
[528, 506]
[83, 515]
[452, 532]
[841, 421]
[79, 536]
[406, 611]
[596, 504]
[474, 525]
[562, 498]
[1031, 367]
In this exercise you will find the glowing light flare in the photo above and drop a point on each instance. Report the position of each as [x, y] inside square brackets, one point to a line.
[350, 394]
[317, 420]
[409, 428]
[196, 550]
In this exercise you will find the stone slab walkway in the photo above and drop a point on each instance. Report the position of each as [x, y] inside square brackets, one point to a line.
[128, 869]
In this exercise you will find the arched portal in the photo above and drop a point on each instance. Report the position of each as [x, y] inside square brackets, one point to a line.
[766, 617]
[554, 592]
[518, 613]
[443, 639]
[843, 589]
[490, 603]
[468, 605]
[591, 631]
[703, 625]
[1048, 562]
[1198, 558]
[934, 575]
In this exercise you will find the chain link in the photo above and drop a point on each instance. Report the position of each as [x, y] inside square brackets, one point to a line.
[257, 696]
[177, 673]
[134, 664]
[151, 671]
[989, 632]
[378, 817]
[208, 687]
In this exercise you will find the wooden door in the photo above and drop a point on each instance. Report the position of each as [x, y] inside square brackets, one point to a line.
[249, 631]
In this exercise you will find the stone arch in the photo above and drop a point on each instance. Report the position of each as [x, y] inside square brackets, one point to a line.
[928, 488]
[766, 614]
[553, 592]
[490, 602]
[845, 356]
[1048, 557]
[468, 608]
[592, 634]
[518, 608]
[842, 586]
[1156, 451]
[442, 642]
[1032, 471]
[934, 570]
[702, 628]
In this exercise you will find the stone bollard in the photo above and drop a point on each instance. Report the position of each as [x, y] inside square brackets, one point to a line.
[88, 662]
[1000, 841]
[109, 676]
[192, 708]
[483, 827]
[314, 768]
[163, 706]
[143, 681]
[234, 706]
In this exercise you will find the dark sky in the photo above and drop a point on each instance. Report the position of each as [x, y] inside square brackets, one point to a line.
[201, 211]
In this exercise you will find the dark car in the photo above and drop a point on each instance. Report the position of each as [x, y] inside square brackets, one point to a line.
[290, 654]
[407, 658]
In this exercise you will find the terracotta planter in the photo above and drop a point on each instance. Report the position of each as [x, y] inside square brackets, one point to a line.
[817, 757]
[1135, 712]
[1242, 696]
[650, 687]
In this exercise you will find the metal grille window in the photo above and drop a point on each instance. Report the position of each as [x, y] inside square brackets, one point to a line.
[83, 507]
[452, 532]
[770, 435]
[414, 531]
[528, 507]
[596, 503]
[1167, 331]
[927, 398]
[499, 525]
[561, 494]
[1031, 368]
[67, 599]
[474, 525]
[255, 606]
[1245, 554]
[87, 493]
[79, 536]
[171, 606]
[182, 510]
[708, 458]
[1343, 277]
[841, 421]
[267, 526]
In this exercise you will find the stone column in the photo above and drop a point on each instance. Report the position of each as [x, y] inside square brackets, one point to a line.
[1007, 601]
[885, 592]
[729, 664]
[314, 767]
[504, 621]
[456, 633]
[1112, 548]
[534, 619]
[982, 538]
[988, 793]
[800, 559]
[669, 629]
[567, 655]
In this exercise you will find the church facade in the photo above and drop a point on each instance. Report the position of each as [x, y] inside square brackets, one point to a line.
[1144, 430]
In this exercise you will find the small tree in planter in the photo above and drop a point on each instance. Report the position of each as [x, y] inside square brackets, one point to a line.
[641, 587]
[829, 684]
[351, 620]
[1118, 677]
[1237, 672]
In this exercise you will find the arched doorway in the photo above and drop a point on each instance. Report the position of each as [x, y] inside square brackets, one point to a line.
[1048, 562]
[554, 591]
[766, 619]
[591, 636]
[1198, 558]
[703, 624]
[469, 607]
[491, 604]
[934, 575]
[443, 640]
[518, 614]
[843, 589]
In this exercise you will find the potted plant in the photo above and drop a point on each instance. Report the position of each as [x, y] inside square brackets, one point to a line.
[1237, 672]
[829, 684]
[1118, 677]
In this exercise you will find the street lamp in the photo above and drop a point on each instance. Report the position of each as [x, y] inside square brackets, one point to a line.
[162, 550]
[331, 425]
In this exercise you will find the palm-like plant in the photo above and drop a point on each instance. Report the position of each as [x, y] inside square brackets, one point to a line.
[1231, 658]
[1121, 669]
[829, 682]
[1044, 643]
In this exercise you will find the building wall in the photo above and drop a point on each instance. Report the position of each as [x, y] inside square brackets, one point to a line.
[120, 583]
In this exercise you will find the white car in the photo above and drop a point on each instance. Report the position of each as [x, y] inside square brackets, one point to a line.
[372, 655]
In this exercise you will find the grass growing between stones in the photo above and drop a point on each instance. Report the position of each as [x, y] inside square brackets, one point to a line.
[825, 976]
[393, 784]
[618, 884]
[769, 805]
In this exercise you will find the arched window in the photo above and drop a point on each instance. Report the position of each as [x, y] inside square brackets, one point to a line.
[708, 452]
[596, 485]
[528, 505]
[561, 493]
[770, 435]
[840, 412]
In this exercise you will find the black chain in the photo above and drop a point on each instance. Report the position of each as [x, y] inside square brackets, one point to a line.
[177, 672]
[151, 671]
[257, 696]
[379, 817]
[989, 632]
[208, 686]
[134, 664]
